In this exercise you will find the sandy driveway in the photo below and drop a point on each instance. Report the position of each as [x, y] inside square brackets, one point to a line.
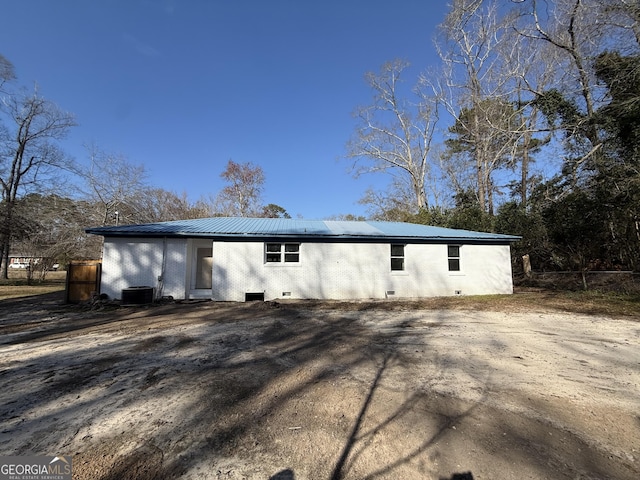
[313, 391]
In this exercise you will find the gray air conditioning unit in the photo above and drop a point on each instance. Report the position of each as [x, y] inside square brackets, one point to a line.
[137, 296]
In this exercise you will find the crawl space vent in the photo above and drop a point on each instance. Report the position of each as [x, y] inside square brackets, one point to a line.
[137, 296]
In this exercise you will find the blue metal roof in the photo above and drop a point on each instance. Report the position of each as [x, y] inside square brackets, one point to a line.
[238, 228]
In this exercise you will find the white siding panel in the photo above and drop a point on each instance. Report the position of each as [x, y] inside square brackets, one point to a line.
[325, 271]
[175, 273]
[134, 262]
[337, 271]
[486, 269]
[358, 271]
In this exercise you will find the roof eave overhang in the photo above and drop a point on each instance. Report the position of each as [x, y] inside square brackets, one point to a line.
[267, 237]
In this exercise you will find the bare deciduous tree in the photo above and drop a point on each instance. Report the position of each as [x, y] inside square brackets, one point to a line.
[111, 181]
[570, 30]
[52, 231]
[394, 135]
[242, 196]
[390, 205]
[476, 54]
[577, 31]
[159, 205]
[7, 71]
[29, 157]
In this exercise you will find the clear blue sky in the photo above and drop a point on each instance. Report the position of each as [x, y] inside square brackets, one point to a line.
[183, 86]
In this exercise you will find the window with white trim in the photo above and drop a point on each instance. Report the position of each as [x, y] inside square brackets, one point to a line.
[282, 252]
[397, 257]
[453, 255]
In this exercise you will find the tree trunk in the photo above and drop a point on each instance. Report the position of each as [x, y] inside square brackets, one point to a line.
[6, 237]
[4, 251]
[526, 265]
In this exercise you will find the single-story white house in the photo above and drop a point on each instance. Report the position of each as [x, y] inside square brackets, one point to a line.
[239, 259]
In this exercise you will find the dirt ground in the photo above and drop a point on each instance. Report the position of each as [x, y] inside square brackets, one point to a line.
[320, 390]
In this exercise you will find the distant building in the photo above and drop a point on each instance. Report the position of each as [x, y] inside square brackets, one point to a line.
[19, 262]
[23, 262]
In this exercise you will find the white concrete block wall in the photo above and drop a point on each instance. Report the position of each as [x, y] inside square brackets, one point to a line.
[130, 262]
[175, 273]
[353, 271]
[486, 269]
[325, 270]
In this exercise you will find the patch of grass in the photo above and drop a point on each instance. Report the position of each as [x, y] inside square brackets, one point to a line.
[522, 301]
[586, 302]
[601, 303]
[18, 291]
[592, 302]
[17, 286]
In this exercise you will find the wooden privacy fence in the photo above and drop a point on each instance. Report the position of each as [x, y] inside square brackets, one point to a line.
[83, 280]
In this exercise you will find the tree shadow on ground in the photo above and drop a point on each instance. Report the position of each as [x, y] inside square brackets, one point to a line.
[360, 435]
[287, 474]
[194, 388]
